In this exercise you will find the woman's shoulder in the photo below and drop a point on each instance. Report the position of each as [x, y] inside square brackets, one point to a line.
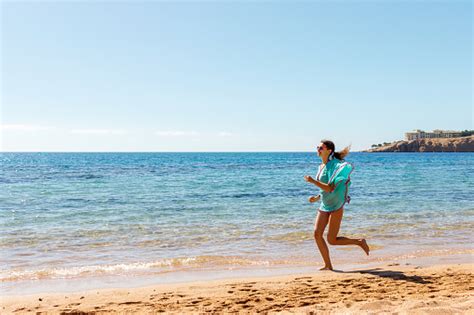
[336, 163]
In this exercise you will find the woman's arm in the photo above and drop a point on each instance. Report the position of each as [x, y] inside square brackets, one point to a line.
[323, 186]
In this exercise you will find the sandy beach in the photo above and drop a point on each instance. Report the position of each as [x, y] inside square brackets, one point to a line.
[195, 157]
[389, 288]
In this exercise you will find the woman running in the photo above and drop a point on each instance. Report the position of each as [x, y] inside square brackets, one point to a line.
[333, 179]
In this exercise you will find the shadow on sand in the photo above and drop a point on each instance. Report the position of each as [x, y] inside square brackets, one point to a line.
[394, 275]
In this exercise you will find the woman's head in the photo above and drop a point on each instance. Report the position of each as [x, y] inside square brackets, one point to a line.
[327, 150]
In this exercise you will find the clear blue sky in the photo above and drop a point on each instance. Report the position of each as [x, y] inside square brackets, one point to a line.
[239, 76]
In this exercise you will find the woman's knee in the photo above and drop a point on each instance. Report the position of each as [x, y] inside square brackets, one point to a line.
[318, 235]
[332, 240]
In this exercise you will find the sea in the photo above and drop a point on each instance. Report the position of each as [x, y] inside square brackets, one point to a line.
[73, 221]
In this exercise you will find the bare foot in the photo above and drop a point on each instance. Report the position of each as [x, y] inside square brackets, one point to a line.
[326, 268]
[364, 246]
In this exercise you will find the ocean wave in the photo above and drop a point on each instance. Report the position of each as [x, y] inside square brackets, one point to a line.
[292, 237]
[87, 176]
[162, 265]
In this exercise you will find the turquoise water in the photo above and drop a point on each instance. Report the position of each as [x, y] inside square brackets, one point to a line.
[76, 215]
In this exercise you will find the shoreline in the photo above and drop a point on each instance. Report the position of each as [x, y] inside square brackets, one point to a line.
[406, 285]
[391, 287]
[204, 274]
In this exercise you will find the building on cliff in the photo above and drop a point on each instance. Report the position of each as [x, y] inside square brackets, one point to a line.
[437, 133]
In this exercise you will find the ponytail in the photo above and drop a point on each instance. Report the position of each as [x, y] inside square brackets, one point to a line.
[343, 153]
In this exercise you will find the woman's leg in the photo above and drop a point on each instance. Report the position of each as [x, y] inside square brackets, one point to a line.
[334, 225]
[319, 226]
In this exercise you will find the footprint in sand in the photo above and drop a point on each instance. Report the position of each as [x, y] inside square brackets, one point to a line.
[129, 303]
[73, 304]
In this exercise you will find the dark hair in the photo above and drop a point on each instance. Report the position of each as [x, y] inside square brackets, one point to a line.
[338, 155]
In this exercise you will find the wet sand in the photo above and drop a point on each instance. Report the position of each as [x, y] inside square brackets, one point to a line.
[389, 288]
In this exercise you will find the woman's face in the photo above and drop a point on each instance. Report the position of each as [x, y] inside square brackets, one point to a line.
[323, 150]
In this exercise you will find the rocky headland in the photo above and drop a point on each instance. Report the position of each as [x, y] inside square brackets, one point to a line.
[461, 144]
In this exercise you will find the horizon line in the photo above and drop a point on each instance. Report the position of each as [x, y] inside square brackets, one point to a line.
[164, 152]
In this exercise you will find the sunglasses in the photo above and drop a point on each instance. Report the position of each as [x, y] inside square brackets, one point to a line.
[320, 148]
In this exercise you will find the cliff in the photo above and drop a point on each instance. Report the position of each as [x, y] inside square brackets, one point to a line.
[463, 144]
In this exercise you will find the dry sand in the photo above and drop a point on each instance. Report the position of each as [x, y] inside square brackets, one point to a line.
[387, 289]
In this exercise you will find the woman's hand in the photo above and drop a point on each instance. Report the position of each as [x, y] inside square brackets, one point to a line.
[309, 179]
[314, 198]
